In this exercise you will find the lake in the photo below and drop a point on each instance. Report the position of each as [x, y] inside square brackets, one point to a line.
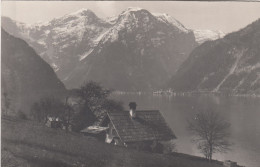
[243, 113]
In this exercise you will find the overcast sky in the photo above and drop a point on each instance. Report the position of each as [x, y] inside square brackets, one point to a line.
[225, 16]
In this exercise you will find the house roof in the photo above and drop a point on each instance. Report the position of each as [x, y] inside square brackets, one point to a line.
[148, 125]
[94, 129]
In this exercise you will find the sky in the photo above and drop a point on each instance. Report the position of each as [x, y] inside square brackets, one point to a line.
[224, 16]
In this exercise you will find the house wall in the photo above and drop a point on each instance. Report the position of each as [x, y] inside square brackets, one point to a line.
[111, 134]
[150, 146]
[229, 163]
[112, 137]
[142, 145]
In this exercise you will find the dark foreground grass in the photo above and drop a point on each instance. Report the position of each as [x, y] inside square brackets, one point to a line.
[26, 143]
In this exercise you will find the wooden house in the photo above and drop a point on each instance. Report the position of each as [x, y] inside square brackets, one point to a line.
[136, 128]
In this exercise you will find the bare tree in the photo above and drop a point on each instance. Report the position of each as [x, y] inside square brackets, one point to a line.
[211, 133]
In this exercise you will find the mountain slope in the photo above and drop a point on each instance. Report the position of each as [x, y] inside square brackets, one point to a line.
[138, 53]
[25, 77]
[228, 64]
[26, 143]
[136, 50]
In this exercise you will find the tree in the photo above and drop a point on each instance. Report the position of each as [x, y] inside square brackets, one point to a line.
[112, 105]
[211, 133]
[48, 106]
[91, 99]
[83, 119]
[93, 103]
[93, 96]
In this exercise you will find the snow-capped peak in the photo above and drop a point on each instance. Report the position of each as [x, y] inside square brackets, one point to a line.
[133, 9]
[164, 17]
[126, 12]
[207, 35]
[130, 10]
[82, 12]
[128, 19]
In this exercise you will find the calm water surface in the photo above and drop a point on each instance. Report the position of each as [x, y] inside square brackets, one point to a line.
[242, 112]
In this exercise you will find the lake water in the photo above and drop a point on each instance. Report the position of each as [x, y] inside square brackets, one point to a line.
[243, 113]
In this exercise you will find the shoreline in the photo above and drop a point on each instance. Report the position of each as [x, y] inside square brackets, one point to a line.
[171, 93]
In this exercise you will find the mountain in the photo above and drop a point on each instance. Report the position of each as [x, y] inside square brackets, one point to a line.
[136, 50]
[63, 41]
[202, 36]
[230, 64]
[140, 52]
[25, 77]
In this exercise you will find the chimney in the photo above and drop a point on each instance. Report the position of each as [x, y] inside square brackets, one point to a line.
[132, 111]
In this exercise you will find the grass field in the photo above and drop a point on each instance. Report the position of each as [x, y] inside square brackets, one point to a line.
[27, 143]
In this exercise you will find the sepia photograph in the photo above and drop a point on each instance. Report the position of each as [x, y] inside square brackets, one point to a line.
[130, 84]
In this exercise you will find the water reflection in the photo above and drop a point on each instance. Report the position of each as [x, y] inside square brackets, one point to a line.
[242, 112]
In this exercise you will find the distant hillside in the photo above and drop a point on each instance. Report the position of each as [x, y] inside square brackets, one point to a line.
[26, 143]
[25, 77]
[136, 50]
[231, 64]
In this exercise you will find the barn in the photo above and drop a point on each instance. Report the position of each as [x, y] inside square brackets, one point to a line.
[135, 128]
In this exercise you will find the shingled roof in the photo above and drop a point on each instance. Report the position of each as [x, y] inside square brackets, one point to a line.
[148, 125]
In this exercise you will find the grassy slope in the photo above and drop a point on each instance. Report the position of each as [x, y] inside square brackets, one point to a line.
[26, 143]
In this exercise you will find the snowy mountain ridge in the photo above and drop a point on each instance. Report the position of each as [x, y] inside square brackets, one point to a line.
[135, 50]
[164, 17]
[69, 42]
[207, 35]
[74, 25]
